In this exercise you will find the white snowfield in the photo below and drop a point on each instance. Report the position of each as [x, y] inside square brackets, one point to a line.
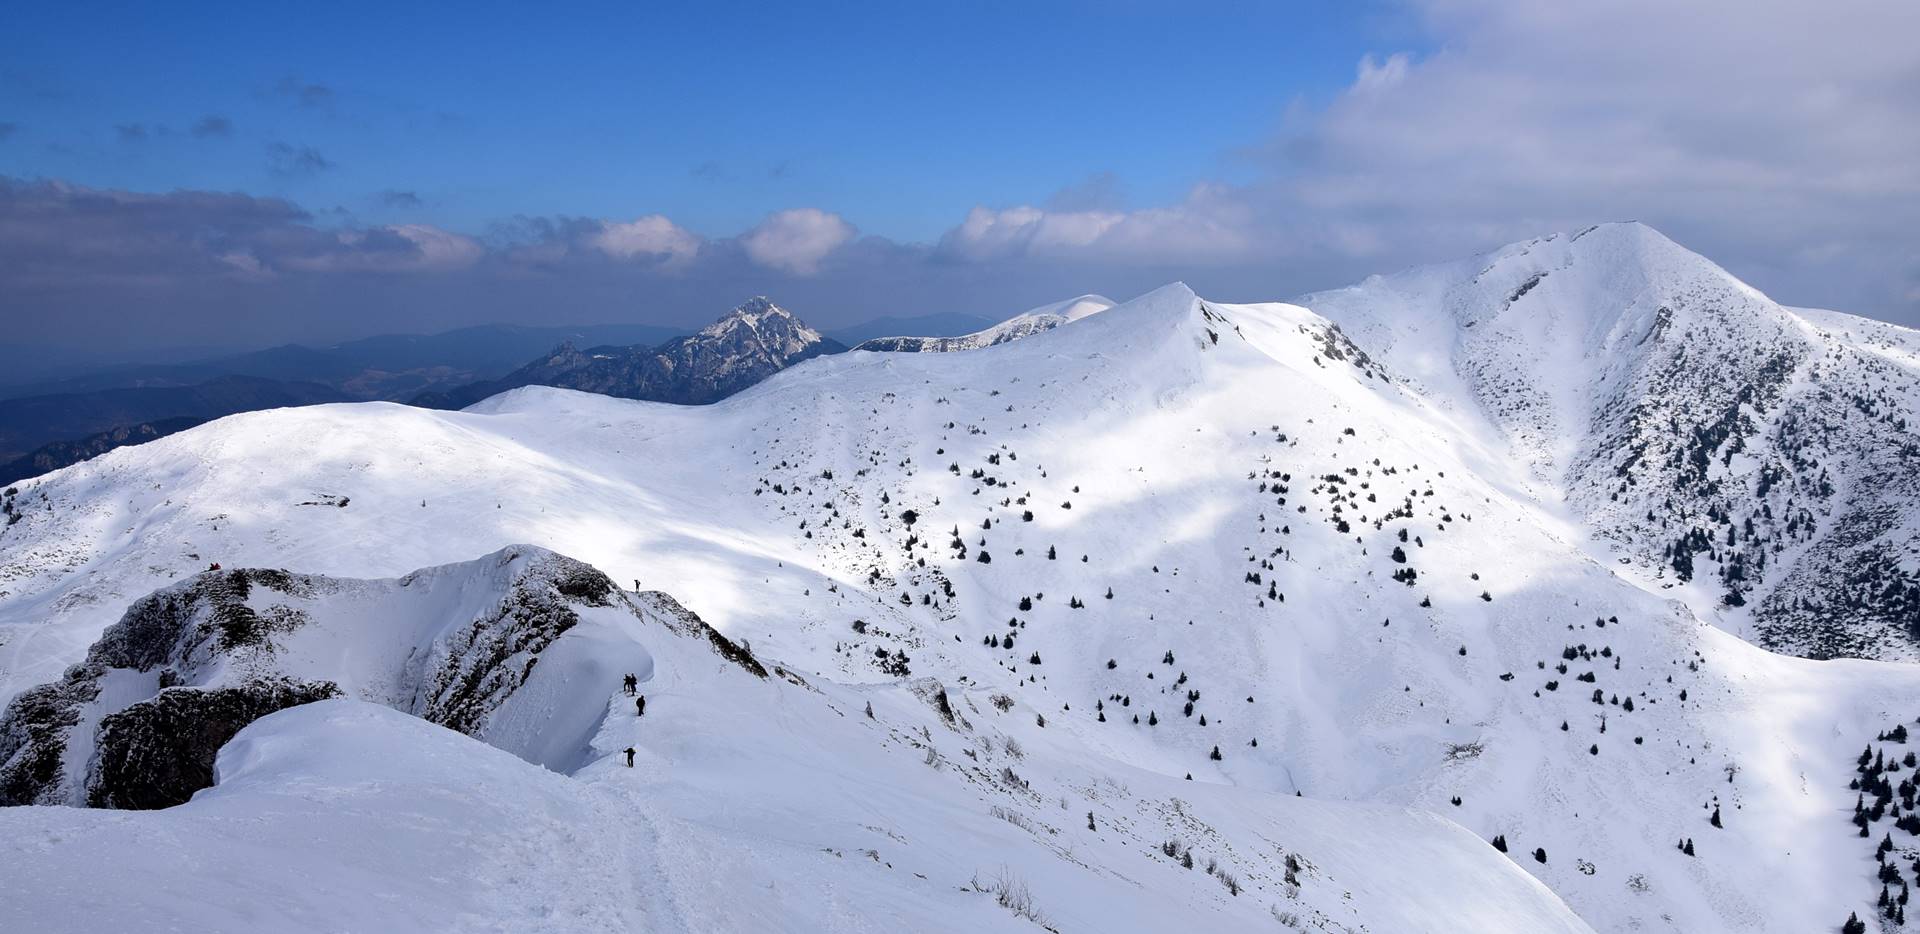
[1175, 529]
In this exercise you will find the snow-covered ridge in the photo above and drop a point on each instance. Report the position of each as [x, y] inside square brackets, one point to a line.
[1025, 324]
[452, 644]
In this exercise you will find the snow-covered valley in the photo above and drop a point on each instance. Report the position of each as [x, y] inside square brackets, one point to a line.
[1358, 614]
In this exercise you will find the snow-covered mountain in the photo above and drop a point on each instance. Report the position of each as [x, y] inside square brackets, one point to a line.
[1758, 461]
[745, 346]
[917, 805]
[1235, 581]
[1025, 324]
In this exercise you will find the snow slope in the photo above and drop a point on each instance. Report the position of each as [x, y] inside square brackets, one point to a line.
[1757, 461]
[1026, 324]
[1175, 528]
[883, 815]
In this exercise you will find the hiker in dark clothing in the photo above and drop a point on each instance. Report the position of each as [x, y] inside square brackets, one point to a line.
[640, 706]
[629, 685]
[629, 757]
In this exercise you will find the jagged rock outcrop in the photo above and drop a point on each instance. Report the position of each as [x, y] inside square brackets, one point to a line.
[176, 636]
[157, 753]
[33, 738]
[478, 665]
[688, 623]
[138, 723]
[747, 345]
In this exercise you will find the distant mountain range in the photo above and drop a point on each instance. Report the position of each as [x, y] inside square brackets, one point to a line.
[945, 324]
[745, 346]
[51, 423]
[28, 424]
[51, 457]
[391, 366]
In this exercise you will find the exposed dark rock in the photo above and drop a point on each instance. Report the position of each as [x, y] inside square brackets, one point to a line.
[158, 752]
[686, 622]
[33, 736]
[480, 670]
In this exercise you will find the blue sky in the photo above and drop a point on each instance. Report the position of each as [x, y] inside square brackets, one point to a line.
[899, 116]
[249, 174]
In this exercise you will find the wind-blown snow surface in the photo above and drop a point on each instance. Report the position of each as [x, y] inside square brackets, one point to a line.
[1237, 477]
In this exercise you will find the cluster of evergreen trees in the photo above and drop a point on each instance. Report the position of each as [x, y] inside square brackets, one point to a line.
[1894, 793]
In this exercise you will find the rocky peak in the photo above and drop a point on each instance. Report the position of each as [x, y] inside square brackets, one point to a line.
[760, 318]
[758, 327]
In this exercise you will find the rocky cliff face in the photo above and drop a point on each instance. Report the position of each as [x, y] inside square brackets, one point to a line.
[138, 723]
[158, 752]
[33, 737]
[480, 664]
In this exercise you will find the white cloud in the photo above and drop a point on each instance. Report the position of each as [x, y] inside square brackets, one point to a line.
[652, 236]
[796, 241]
[1740, 121]
[987, 234]
[439, 249]
[1745, 128]
[394, 248]
[1207, 227]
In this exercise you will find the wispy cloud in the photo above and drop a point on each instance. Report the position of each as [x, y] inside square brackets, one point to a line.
[211, 126]
[290, 161]
[304, 93]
